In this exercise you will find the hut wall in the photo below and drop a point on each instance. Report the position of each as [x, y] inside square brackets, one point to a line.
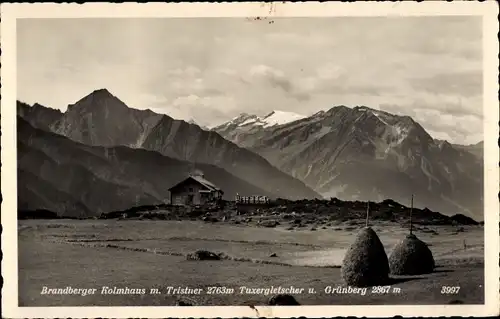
[187, 193]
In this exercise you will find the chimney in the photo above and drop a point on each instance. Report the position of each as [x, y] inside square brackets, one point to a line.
[197, 172]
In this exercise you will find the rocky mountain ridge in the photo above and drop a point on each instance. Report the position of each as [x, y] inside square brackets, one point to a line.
[101, 119]
[476, 149]
[77, 180]
[366, 154]
[351, 153]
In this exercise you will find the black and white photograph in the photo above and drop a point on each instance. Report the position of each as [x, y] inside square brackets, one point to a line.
[252, 160]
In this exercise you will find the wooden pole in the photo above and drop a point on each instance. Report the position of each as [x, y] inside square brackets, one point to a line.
[367, 213]
[411, 210]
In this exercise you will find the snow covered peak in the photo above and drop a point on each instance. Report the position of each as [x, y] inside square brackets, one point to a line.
[240, 120]
[280, 118]
[240, 117]
[245, 119]
[271, 119]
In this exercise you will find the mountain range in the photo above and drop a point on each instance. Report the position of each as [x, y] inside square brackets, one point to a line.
[117, 157]
[367, 154]
[102, 120]
[78, 180]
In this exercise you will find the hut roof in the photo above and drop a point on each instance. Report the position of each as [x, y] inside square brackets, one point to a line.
[205, 183]
[201, 180]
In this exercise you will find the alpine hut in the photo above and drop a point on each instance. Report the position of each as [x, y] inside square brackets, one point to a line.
[194, 190]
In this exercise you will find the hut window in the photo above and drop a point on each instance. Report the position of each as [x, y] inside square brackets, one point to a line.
[191, 189]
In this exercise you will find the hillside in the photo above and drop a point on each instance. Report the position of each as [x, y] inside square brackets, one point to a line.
[37, 115]
[365, 154]
[476, 149]
[101, 119]
[77, 180]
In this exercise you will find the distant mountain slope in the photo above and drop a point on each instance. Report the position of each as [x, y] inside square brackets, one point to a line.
[38, 115]
[476, 149]
[34, 193]
[73, 179]
[274, 118]
[101, 119]
[189, 142]
[366, 154]
[192, 121]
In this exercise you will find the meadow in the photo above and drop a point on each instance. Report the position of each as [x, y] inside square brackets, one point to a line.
[147, 254]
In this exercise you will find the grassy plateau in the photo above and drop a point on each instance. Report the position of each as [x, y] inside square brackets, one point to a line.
[151, 254]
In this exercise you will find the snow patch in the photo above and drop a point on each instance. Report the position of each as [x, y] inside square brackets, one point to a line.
[239, 117]
[423, 166]
[309, 168]
[446, 169]
[140, 140]
[272, 119]
[379, 116]
[281, 117]
[249, 121]
[400, 132]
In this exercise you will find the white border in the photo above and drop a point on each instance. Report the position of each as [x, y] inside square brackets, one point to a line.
[9, 14]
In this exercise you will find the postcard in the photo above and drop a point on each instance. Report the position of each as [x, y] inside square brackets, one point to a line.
[250, 159]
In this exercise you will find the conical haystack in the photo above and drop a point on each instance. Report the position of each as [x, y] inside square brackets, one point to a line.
[365, 263]
[411, 257]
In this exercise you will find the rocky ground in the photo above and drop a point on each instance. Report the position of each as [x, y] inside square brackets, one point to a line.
[295, 214]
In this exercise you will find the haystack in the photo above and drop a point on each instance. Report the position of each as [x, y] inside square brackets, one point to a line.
[411, 257]
[365, 263]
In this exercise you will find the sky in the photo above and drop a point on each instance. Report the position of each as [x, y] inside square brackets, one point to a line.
[212, 69]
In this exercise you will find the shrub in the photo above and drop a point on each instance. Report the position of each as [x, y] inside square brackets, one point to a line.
[203, 255]
[269, 223]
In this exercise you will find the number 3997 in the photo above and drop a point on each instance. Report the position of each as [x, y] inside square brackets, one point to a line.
[450, 290]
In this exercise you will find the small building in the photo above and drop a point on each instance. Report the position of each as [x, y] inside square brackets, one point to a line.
[194, 190]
